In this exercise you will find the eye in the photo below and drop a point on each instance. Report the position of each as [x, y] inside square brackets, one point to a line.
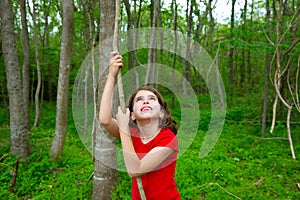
[138, 99]
[152, 98]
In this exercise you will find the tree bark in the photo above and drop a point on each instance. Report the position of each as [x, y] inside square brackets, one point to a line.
[152, 73]
[212, 45]
[174, 19]
[26, 63]
[243, 65]
[231, 74]
[19, 144]
[63, 79]
[267, 72]
[105, 175]
[38, 88]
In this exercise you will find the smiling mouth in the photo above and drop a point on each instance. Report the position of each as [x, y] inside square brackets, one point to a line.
[146, 109]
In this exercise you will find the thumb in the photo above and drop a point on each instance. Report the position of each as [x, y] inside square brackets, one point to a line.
[127, 111]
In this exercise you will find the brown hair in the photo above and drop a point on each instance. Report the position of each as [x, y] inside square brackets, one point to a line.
[167, 121]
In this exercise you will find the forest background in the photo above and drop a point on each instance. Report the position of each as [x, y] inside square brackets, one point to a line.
[256, 50]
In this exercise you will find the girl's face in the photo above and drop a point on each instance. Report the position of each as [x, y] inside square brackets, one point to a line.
[146, 106]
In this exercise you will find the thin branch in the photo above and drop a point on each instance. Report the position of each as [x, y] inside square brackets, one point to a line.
[115, 48]
[231, 194]
[261, 179]
[276, 138]
[14, 176]
[289, 132]
[290, 89]
[295, 43]
[268, 38]
[297, 103]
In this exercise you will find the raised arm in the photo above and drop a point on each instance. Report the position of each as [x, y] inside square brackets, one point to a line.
[136, 167]
[105, 113]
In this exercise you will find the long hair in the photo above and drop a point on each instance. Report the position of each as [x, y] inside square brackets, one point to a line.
[167, 121]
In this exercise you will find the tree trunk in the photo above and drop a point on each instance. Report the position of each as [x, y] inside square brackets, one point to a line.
[187, 72]
[267, 72]
[19, 144]
[105, 175]
[129, 36]
[212, 45]
[249, 65]
[231, 70]
[45, 56]
[26, 64]
[36, 50]
[63, 79]
[174, 19]
[243, 65]
[152, 73]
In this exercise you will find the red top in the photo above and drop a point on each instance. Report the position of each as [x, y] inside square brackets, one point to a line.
[158, 184]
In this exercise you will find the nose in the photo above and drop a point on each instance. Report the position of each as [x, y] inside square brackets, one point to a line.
[146, 101]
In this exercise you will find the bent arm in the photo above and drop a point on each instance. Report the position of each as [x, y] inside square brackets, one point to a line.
[105, 112]
[135, 166]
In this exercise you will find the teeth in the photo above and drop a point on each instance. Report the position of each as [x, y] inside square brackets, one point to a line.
[146, 109]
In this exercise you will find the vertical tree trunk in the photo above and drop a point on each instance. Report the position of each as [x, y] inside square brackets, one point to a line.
[187, 70]
[45, 56]
[136, 18]
[152, 73]
[243, 65]
[200, 24]
[129, 35]
[174, 18]
[249, 65]
[212, 45]
[19, 144]
[63, 79]
[36, 50]
[105, 175]
[231, 71]
[267, 72]
[26, 64]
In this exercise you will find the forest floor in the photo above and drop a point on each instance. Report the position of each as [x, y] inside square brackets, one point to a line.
[242, 165]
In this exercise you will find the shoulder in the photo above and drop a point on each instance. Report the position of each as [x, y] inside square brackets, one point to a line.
[167, 138]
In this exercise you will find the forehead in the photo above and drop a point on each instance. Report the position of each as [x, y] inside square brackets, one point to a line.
[144, 93]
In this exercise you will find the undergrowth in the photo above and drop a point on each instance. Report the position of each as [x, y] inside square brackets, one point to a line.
[242, 165]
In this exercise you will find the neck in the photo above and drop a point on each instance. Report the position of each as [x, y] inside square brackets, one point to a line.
[148, 130]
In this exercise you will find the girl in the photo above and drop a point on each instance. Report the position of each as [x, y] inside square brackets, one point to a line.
[148, 136]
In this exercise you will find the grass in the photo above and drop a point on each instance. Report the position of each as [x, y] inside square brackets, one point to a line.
[241, 165]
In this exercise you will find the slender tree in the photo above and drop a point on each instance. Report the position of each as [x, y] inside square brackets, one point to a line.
[38, 69]
[26, 62]
[19, 144]
[105, 164]
[152, 73]
[212, 45]
[267, 73]
[63, 79]
[244, 51]
[174, 19]
[231, 51]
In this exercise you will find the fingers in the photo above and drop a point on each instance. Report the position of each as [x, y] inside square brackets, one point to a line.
[119, 110]
[115, 56]
[116, 59]
[127, 112]
[113, 53]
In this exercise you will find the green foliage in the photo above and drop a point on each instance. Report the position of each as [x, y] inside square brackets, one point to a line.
[38, 176]
[241, 165]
